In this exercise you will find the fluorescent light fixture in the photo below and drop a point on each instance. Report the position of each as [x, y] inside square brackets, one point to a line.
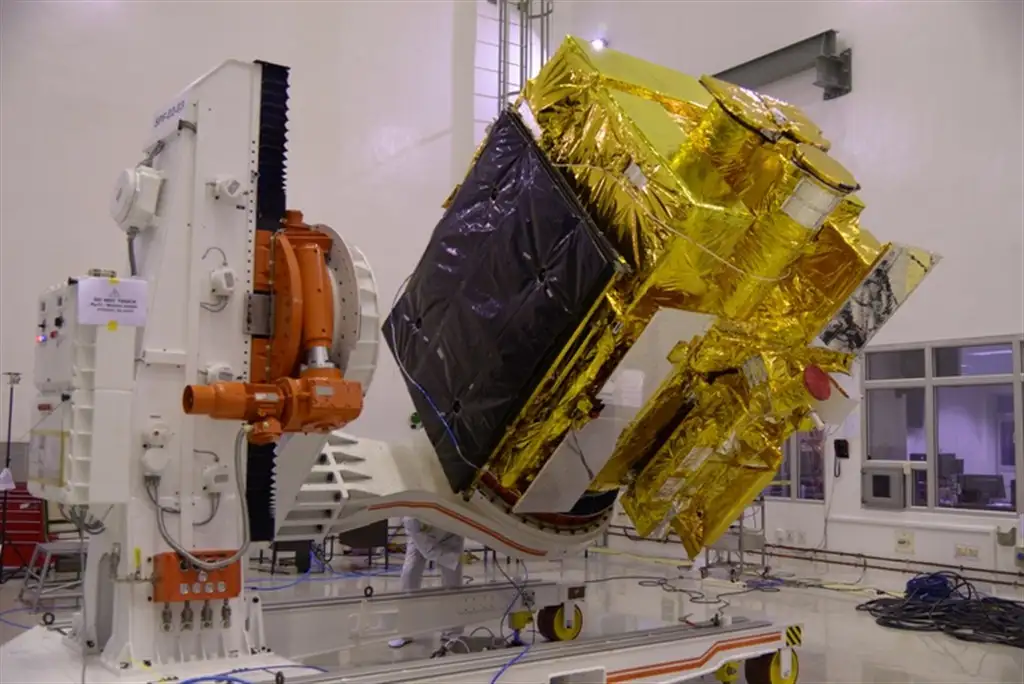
[599, 44]
[991, 352]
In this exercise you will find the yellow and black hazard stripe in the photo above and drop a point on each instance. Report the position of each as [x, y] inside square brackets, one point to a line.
[794, 635]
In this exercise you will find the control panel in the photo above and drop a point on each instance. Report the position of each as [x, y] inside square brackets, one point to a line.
[177, 580]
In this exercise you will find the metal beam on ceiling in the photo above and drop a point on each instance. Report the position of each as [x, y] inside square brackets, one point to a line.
[834, 71]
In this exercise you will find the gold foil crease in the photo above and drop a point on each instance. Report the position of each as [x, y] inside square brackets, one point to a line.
[722, 202]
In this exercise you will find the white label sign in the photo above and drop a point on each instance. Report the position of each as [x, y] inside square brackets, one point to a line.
[106, 301]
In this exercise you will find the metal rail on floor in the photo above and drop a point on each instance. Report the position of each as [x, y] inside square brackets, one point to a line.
[294, 628]
[667, 654]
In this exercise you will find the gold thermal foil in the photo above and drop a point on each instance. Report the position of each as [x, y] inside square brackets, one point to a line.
[722, 440]
[723, 202]
[835, 262]
[795, 123]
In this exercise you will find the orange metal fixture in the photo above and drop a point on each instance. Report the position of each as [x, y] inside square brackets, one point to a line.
[286, 395]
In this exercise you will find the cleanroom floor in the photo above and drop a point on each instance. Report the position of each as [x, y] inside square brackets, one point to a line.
[841, 645]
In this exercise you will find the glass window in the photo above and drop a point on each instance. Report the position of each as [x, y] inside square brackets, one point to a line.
[895, 423]
[989, 359]
[780, 486]
[974, 426]
[810, 450]
[919, 488]
[892, 365]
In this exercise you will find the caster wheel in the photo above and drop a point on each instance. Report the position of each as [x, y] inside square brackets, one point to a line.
[767, 669]
[728, 673]
[704, 572]
[551, 623]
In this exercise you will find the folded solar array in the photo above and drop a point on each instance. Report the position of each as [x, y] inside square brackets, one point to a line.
[509, 274]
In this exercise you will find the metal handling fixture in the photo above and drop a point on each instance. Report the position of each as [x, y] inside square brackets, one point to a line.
[243, 339]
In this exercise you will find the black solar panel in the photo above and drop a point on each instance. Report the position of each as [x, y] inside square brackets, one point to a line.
[509, 273]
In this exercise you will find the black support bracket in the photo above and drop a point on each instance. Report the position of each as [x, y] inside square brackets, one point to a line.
[833, 70]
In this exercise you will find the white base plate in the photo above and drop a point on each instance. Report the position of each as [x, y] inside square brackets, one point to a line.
[40, 656]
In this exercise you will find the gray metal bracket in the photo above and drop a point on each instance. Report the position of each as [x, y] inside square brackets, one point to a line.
[833, 71]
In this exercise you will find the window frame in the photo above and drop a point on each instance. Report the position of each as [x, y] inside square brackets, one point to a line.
[930, 382]
[790, 455]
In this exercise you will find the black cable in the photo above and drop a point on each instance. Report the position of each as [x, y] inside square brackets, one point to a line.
[695, 596]
[579, 452]
[947, 602]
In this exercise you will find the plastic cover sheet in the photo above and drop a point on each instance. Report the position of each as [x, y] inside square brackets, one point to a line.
[509, 274]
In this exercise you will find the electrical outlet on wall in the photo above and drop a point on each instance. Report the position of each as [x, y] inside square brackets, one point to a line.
[904, 542]
[966, 551]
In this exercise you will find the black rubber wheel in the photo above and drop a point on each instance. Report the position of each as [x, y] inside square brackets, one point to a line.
[368, 591]
[551, 624]
[279, 677]
[759, 670]
[765, 669]
[49, 619]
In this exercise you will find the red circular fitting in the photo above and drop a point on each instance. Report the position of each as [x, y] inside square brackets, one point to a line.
[817, 383]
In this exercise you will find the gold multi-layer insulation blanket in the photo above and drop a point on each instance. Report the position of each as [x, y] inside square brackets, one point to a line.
[723, 202]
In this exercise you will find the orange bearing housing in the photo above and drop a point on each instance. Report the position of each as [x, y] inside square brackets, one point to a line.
[284, 395]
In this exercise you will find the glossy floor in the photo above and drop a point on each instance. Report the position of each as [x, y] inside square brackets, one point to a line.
[841, 644]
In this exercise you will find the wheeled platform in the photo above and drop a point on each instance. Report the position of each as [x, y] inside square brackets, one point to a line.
[668, 654]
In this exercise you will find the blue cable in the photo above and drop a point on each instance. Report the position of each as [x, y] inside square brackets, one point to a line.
[337, 576]
[519, 592]
[274, 669]
[232, 679]
[931, 587]
[304, 577]
[426, 395]
[504, 668]
[7, 622]
[215, 679]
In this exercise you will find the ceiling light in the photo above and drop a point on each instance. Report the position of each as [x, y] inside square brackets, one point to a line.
[599, 44]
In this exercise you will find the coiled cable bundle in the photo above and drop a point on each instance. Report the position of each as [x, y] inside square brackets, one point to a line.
[946, 602]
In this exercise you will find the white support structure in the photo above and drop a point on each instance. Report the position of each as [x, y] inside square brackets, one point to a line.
[162, 494]
[359, 481]
[121, 409]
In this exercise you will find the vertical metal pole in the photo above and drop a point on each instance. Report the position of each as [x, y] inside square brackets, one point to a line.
[502, 54]
[5, 536]
[1018, 426]
[931, 435]
[526, 12]
[524, 43]
[549, 8]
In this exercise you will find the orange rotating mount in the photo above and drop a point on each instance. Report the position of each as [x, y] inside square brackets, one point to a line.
[288, 393]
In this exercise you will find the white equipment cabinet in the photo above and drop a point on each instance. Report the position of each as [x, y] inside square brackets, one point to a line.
[84, 369]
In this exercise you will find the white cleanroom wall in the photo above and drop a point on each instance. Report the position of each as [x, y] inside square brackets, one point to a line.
[934, 132]
[380, 128]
